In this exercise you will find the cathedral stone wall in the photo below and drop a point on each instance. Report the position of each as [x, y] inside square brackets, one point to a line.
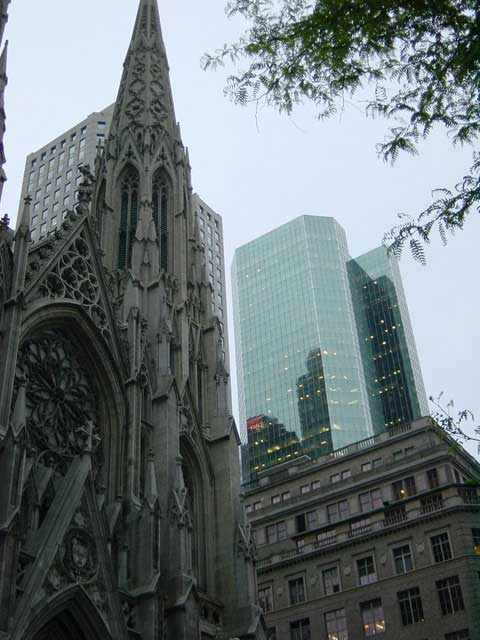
[120, 514]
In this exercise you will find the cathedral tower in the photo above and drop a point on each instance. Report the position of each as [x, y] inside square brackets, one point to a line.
[120, 514]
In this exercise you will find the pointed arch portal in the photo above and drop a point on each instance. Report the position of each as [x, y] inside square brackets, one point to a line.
[63, 627]
[70, 616]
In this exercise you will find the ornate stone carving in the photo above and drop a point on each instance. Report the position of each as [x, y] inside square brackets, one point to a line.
[130, 614]
[73, 277]
[85, 189]
[185, 420]
[178, 510]
[221, 374]
[98, 594]
[55, 580]
[61, 402]
[143, 95]
[245, 542]
[79, 555]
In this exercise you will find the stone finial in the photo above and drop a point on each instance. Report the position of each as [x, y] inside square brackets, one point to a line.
[151, 488]
[85, 189]
[24, 226]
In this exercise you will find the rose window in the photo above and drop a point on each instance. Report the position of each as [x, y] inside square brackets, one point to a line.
[61, 402]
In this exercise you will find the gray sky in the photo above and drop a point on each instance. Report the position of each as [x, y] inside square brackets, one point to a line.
[65, 61]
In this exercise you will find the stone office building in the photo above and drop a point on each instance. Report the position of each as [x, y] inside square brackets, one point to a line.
[51, 175]
[120, 515]
[379, 539]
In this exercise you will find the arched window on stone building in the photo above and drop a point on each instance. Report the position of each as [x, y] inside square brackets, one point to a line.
[161, 197]
[128, 205]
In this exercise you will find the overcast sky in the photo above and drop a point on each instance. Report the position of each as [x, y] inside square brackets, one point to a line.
[65, 61]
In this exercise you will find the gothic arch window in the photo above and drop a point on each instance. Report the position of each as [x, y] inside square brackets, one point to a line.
[197, 500]
[161, 198]
[129, 201]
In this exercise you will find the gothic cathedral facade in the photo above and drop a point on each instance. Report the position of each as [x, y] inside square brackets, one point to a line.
[120, 514]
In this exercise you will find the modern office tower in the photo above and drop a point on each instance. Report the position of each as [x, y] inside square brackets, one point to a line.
[380, 539]
[211, 234]
[392, 371]
[316, 333]
[51, 174]
[268, 442]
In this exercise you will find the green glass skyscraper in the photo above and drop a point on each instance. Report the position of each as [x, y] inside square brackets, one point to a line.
[324, 343]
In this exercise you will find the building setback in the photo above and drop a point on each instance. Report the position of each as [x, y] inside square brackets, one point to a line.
[324, 343]
[379, 539]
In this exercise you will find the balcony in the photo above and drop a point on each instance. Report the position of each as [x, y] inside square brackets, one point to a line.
[432, 504]
[415, 508]
[395, 516]
[469, 495]
[300, 551]
[361, 530]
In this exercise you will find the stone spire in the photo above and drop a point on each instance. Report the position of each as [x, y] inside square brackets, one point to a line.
[3, 16]
[3, 117]
[144, 112]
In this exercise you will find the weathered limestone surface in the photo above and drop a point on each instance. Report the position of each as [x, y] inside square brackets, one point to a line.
[119, 475]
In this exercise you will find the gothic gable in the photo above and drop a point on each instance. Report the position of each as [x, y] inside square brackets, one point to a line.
[67, 267]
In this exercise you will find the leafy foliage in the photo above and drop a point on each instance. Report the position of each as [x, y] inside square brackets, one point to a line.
[454, 424]
[420, 58]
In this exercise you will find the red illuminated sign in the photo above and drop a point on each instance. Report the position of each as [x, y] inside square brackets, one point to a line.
[255, 423]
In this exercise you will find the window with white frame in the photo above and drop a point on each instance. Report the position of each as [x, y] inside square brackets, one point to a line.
[411, 608]
[404, 488]
[373, 618]
[370, 500]
[300, 629]
[331, 580]
[402, 559]
[441, 547]
[338, 511]
[336, 625]
[296, 590]
[265, 598]
[450, 595]
[366, 570]
[276, 532]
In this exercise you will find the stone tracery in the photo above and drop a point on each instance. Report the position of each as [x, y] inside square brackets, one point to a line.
[73, 277]
[61, 400]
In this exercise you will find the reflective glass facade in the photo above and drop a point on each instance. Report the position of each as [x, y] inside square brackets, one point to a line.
[392, 371]
[304, 365]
